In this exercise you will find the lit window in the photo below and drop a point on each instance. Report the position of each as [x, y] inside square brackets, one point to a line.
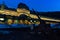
[34, 21]
[15, 21]
[9, 21]
[31, 21]
[1, 19]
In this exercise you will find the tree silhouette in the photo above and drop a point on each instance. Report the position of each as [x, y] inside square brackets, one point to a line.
[42, 26]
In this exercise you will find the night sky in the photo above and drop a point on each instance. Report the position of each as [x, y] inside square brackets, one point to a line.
[37, 5]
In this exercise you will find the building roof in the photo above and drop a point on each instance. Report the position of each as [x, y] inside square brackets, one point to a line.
[13, 9]
[23, 6]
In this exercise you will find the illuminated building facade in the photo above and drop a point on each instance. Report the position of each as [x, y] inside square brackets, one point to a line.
[21, 15]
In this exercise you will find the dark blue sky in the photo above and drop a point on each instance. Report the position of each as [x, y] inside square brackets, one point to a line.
[38, 5]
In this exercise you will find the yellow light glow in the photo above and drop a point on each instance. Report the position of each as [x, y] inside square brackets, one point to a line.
[50, 19]
[9, 21]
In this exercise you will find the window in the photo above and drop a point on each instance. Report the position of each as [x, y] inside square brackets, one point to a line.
[34, 21]
[9, 21]
[15, 21]
[1, 19]
[31, 21]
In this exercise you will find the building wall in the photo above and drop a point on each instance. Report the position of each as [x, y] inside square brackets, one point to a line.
[18, 13]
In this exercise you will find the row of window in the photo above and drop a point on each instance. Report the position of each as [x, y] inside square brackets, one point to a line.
[10, 21]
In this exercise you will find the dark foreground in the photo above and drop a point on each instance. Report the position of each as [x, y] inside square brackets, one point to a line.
[28, 35]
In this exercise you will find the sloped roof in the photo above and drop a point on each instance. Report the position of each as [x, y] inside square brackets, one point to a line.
[22, 5]
[13, 9]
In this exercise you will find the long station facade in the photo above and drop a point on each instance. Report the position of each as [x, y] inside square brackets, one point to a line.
[21, 15]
